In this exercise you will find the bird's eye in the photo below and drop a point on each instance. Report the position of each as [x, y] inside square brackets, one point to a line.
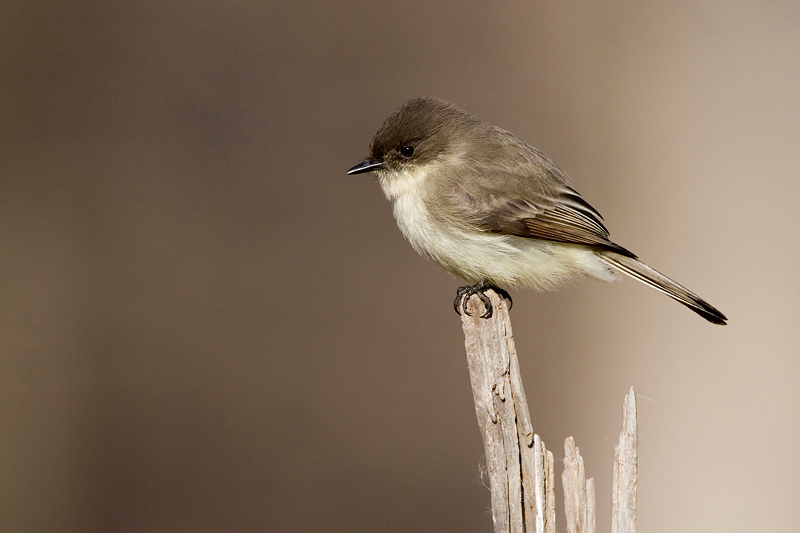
[406, 151]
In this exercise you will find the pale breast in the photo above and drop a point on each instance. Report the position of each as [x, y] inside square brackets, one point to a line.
[473, 255]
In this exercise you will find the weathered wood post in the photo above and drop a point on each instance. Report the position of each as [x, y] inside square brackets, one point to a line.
[520, 468]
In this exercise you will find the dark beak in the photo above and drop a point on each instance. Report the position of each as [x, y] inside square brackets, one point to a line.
[365, 166]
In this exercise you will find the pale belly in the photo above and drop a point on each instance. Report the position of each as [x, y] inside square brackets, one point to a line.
[503, 260]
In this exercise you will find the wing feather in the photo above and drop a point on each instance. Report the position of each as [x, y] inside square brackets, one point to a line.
[556, 213]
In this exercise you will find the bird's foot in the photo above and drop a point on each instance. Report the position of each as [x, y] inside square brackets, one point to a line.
[463, 294]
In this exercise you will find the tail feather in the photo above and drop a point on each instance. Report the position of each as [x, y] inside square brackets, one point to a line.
[649, 276]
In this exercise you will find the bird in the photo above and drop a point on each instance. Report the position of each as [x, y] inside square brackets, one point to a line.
[495, 211]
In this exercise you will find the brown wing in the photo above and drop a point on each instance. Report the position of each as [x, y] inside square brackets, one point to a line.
[555, 213]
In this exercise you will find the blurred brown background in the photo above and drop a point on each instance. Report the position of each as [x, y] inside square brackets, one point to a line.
[205, 326]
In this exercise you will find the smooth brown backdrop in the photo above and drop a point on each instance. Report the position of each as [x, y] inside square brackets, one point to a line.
[205, 326]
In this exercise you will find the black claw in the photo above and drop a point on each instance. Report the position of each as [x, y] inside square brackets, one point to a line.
[486, 303]
[463, 294]
[460, 292]
[465, 298]
[504, 294]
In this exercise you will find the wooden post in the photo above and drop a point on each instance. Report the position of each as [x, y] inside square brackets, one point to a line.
[521, 469]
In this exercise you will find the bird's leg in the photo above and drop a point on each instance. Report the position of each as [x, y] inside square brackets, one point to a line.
[463, 294]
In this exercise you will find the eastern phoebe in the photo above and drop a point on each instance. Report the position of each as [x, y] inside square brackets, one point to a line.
[494, 210]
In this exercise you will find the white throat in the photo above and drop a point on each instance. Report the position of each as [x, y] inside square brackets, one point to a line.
[407, 192]
[404, 183]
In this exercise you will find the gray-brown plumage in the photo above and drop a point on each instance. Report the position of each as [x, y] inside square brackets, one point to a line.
[493, 209]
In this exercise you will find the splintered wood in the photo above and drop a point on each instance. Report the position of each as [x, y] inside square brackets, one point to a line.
[578, 491]
[521, 469]
[626, 463]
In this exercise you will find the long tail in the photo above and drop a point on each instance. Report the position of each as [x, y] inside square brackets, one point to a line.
[638, 270]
